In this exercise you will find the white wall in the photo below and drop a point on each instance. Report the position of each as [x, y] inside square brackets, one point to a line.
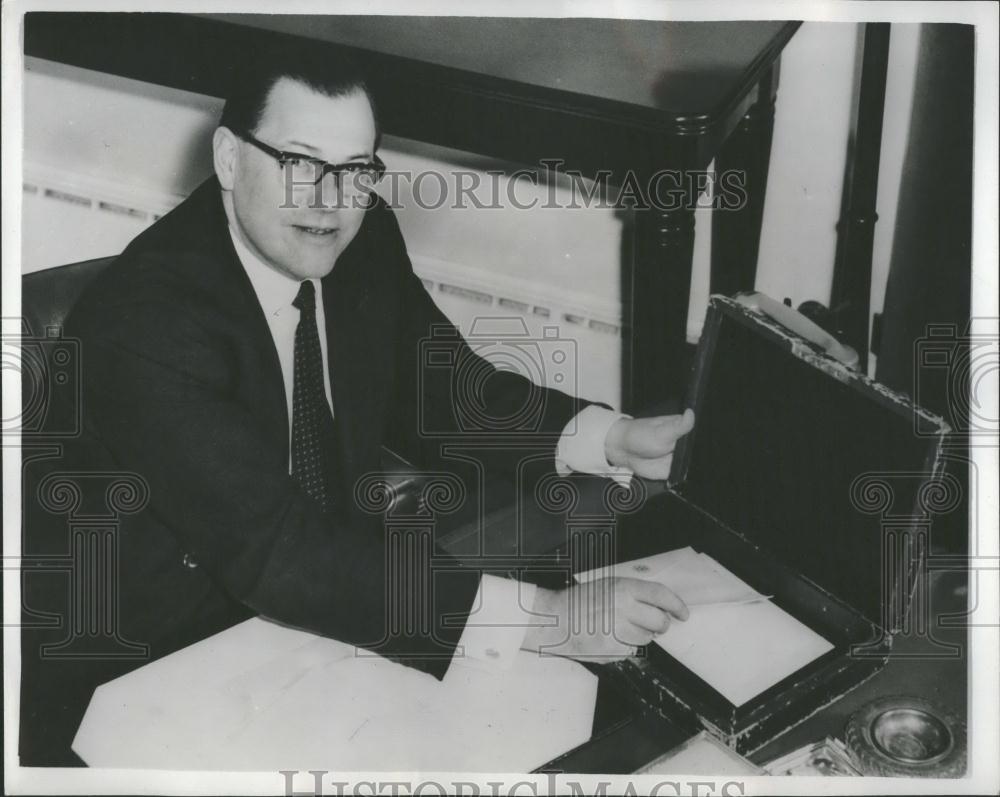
[811, 125]
[135, 146]
[904, 46]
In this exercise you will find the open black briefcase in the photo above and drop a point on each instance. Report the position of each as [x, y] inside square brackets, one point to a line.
[810, 482]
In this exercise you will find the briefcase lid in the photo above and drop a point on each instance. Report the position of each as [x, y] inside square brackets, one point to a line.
[819, 467]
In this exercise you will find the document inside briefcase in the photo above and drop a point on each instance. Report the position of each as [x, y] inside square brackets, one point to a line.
[728, 621]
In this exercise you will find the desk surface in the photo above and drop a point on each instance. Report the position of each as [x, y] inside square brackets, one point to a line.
[676, 67]
[932, 665]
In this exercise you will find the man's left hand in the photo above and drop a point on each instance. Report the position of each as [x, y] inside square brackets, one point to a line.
[646, 445]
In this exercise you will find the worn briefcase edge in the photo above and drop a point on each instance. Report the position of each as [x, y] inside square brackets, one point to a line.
[826, 680]
[721, 307]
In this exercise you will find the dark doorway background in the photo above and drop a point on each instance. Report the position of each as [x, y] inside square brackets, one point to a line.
[930, 271]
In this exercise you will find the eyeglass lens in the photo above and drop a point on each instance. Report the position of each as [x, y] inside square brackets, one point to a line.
[351, 178]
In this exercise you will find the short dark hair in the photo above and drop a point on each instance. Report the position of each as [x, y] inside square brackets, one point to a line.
[331, 73]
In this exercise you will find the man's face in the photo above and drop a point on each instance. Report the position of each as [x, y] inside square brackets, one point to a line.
[303, 241]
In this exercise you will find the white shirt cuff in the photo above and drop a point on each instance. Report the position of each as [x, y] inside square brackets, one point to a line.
[497, 624]
[581, 446]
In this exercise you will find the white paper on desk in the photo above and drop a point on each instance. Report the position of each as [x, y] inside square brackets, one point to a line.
[741, 646]
[262, 697]
[368, 713]
[173, 712]
[701, 755]
[261, 686]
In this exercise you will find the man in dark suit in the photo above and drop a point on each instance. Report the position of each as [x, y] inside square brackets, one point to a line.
[249, 355]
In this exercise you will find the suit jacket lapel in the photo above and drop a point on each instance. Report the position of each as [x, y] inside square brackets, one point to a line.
[239, 298]
[361, 351]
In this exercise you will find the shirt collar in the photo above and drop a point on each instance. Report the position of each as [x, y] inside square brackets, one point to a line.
[275, 291]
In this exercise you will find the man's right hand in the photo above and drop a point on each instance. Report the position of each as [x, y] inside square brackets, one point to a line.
[605, 619]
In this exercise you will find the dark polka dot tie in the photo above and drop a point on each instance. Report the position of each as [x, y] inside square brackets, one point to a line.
[313, 448]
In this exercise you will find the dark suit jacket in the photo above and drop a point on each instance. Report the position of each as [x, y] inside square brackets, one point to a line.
[182, 386]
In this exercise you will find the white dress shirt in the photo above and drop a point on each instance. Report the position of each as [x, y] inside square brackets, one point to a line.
[501, 612]
[276, 292]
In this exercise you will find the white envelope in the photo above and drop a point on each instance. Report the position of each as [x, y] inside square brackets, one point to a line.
[735, 639]
[697, 579]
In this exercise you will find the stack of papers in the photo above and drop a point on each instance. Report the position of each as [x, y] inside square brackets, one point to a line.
[735, 640]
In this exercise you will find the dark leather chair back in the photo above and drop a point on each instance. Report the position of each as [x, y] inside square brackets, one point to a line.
[50, 364]
[48, 296]
[54, 696]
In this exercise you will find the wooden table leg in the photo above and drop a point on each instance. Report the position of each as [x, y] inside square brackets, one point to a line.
[656, 356]
[852, 273]
[736, 232]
